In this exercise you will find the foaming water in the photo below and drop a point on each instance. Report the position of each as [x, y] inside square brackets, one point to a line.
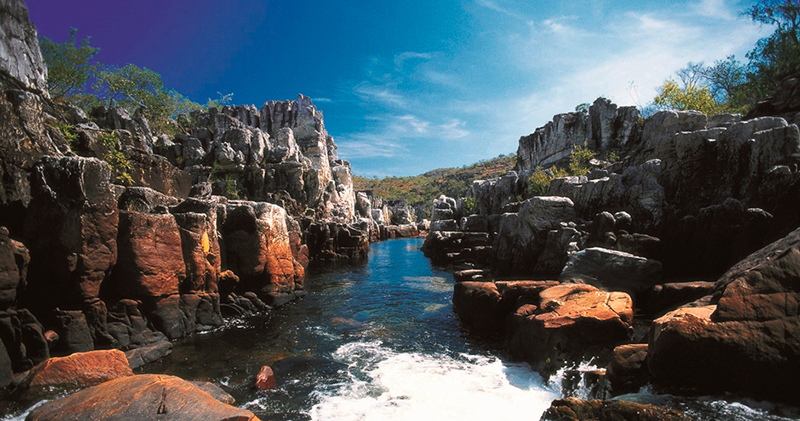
[386, 385]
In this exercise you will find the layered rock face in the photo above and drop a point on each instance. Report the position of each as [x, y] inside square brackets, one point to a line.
[281, 147]
[19, 47]
[87, 262]
[692, 196]
[707, 190]
[751, 323]
[603, 127]
[386, 219]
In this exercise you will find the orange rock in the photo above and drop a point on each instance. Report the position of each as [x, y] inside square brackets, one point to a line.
[265, 380]
[571, 319]
[150, 256]
[79, 370]
[141, 397]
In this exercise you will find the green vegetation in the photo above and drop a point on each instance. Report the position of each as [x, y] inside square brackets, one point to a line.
[731, 86]
[469, 205]
[68, 67]
[539, 181]
[422, 189]
[116, 159]
[579, 160]
[691, 97]
[231, 191]
[777, 55]
[68, 131]
[71, 68]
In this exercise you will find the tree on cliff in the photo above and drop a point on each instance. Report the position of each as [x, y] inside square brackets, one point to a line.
[70, 69]
[690, 97]
[68, 66]
[778, 55]
[731, 86]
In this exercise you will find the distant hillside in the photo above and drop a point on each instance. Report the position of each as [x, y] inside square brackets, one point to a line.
[422, 189]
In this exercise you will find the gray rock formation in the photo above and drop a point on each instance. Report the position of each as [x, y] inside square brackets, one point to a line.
[603, 127]
[637, 191]
[612, 270]
[20, 56]
[492, 195]
[281, 147]
[522, 236]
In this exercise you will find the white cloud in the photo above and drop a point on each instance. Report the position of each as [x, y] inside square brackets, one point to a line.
[400, 59]
[385, 94]
[364, 145]
[412, 124]
[492, 5]
[558, 25]
[718, 9]
[454, 129]
[321, 100]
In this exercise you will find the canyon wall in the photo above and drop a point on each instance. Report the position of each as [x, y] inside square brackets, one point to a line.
[114, 236]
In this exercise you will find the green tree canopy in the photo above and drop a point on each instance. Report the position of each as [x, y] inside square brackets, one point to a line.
[777, 55]
[68, 66]
[691, 97]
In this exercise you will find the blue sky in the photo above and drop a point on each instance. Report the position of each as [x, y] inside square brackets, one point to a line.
[409, 86]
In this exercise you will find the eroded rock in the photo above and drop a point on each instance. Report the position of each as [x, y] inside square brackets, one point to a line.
[146, 396]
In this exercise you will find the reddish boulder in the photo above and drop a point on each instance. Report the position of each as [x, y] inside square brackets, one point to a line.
[197, 222]
[484, 306]
[151, 268]
[574, 409]
[265, 380]
[78, 370]
[258, 250]
[144, 397]
[571, 321]
[752, 325]
[150, 256]
[627, 371]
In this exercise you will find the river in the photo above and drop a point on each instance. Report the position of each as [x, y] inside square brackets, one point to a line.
[380, 341]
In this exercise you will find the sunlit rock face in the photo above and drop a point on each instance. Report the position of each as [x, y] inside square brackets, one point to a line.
[602, 127]
[281, 147]
[19, 47]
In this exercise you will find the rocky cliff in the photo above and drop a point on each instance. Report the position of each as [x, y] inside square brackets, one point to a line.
[692, 196]
[112, 236]
[712, 189]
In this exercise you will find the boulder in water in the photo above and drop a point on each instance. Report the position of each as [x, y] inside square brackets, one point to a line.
[747, 338]
[77, 370]
[146, 396]
[571, 322]
[265, 380]
[574, 409]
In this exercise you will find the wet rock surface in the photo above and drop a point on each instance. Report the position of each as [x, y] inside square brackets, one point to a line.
[146, 396]
[577, 409]
[751, 323]
[569, 321]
